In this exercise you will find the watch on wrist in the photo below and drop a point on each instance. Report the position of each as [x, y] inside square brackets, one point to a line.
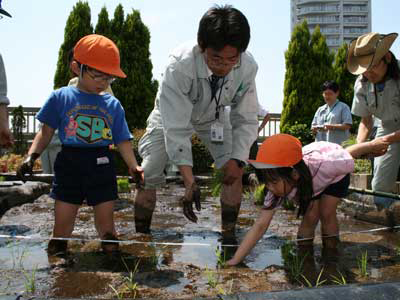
[239, 162]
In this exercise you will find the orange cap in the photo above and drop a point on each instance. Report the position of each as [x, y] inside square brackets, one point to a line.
[277, 151]
[100, 53]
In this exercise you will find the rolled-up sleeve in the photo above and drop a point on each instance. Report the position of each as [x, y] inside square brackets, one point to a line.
[244, 118]
[176, 110]
[3, 84]
[359, 106]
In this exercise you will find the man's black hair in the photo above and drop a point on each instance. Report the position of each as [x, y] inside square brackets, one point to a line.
[330, 85]
[221, 26]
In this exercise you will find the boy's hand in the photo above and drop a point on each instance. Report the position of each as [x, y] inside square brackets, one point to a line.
[27, 166]
[192, 194]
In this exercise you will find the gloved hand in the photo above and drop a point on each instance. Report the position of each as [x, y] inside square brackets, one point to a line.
[192, 194]
[27, 166]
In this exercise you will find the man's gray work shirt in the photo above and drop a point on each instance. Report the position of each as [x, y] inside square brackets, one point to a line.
[184, 103]
[379, 100]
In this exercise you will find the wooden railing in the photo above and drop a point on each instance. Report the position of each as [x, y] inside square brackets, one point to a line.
[32, 125]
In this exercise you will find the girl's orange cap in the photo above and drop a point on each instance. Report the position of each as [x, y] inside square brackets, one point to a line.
[100, 53]
[277, 151]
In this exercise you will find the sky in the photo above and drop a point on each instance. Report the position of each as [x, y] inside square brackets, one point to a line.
[30, 40]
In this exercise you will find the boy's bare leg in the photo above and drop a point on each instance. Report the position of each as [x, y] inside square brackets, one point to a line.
[64, 218]
[104, 222]
[145, 202]
[104, 218]
[64, 221]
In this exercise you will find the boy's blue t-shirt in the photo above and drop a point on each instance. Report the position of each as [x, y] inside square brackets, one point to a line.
[85, 120]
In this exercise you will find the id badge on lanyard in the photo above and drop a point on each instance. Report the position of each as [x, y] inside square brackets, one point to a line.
[217, 127]
[217, 132]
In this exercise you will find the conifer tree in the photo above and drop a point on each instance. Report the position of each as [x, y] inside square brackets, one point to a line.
[103, 25]
[343, 77]
[78, 25]
[308, 65]
[138, 90]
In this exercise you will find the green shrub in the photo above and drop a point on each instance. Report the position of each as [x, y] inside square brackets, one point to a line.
[202, 159]
[300, 131]
[123, 185]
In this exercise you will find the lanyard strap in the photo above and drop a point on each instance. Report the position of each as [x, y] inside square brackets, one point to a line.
[214, 88]
[330, 110]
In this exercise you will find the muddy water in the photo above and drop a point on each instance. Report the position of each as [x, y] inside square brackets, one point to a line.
[179, 259]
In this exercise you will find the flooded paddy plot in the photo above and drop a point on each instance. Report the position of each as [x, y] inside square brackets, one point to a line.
[181, 260]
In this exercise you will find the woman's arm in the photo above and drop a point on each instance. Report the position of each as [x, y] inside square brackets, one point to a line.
[252, 237]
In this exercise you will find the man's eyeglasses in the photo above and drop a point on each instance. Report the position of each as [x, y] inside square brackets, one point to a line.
[220, 61]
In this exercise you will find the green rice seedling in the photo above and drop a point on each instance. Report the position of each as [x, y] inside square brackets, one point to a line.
[288, 205]
[123, 185]
[221, 257]
[318, 283]
[130, 283]
[18, 254]
[292, 262]
[362, 262]
[117, 294]
[216, 182]
[339, 280]
[259, 194]
[30, 281]
[212, 278]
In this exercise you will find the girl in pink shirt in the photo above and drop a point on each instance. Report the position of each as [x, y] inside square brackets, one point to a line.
[316, 177]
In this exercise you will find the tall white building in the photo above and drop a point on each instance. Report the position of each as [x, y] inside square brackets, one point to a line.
[340, 21]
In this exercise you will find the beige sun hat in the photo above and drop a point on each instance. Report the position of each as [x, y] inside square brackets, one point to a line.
[367, 50]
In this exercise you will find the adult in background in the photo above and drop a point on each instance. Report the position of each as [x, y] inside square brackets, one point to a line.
[332, 121]
[6, 138]
[199, 81]
[263, 113]
[377, 94]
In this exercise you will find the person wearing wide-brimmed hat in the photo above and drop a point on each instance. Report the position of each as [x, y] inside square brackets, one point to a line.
[6, 138]
[377, 95]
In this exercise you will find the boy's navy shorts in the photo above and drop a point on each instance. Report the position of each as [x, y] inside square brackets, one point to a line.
[84, 174]
[338, 189]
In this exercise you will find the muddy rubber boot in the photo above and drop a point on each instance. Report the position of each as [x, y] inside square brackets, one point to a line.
[57, 247]
[229, 216]
[110, 247]
[330, 258]
[305, 254]
[143, 218]
[330, 249]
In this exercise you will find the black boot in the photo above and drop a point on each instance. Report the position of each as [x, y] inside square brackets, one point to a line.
[143, 218]
[229, 215]
[57, 247]
[110, 247]
[305, 256]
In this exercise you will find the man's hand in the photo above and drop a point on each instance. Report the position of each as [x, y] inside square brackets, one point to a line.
[27, 166]
[192, 194]
[137, 174]
[378, 146]
[232, 172]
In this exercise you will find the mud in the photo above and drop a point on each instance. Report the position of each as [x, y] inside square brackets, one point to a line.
[147, 268]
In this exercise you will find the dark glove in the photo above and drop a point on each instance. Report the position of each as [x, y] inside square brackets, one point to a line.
[27, 166]
[191, 195]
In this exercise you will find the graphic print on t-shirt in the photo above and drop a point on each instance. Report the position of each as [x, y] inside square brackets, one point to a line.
[88, 128]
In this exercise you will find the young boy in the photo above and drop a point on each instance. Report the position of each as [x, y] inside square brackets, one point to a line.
[88, 121]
